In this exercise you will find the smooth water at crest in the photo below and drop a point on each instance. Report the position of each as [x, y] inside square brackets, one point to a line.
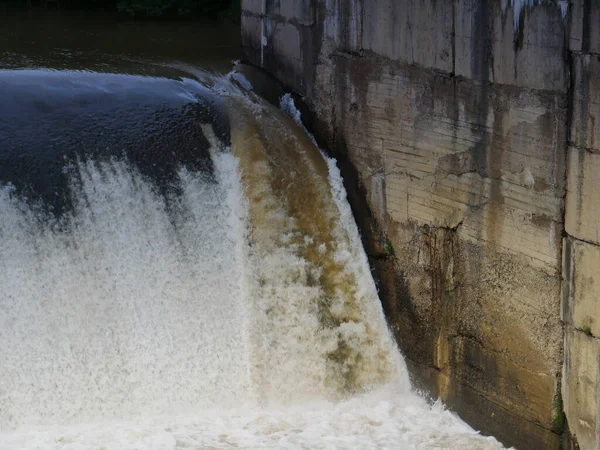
[180, 269]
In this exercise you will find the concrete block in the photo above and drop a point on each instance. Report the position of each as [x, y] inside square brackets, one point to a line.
[585, 123]
[489, 48]
[474, 39]
[286, 41]
[298, 11]
[301, 11]
[284, 52]
[584, 33]
[342, 24]
[581, 286]
[255, 7]
[413, 32]
[575, 30]
[532, 56]
[580, 387]
[582, 212]
[490, 159]
[500, 421]
[507, 382]
[251, 39]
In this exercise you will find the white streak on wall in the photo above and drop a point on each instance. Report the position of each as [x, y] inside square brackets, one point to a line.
[564, 7]
[519, 5]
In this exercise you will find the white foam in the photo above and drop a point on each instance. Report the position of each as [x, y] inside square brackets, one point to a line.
[381, 420]
[447, 424]
[131, 311]
[350, 249]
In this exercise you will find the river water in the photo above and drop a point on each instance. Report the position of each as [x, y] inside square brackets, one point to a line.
[179, 266]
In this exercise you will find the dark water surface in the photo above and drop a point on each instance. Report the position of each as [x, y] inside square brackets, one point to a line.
[87, 86]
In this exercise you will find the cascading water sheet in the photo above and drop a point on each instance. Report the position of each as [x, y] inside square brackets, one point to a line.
[235, 311]
[126, 307]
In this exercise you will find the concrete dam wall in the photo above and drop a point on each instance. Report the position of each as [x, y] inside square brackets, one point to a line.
[468, 132]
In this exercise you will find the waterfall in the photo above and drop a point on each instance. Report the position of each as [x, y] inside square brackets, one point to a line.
[236, 310]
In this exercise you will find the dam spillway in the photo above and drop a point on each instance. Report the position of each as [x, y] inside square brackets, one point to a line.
[218, 299]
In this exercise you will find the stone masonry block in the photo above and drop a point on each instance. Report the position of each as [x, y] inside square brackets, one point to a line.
[343, 24]
[585, 123]
[584, 33]
[251, 38]
[489, 158]
[582, 214]
[253, 7]
[413, 32]
[489, 48]
[299, 11]
[581, 379]
[581, 285]
[302, 11]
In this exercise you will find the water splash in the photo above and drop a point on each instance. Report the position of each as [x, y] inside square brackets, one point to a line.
[127, 308]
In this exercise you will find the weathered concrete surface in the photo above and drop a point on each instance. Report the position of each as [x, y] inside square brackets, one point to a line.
[581, 378]
[584, 33]
[488, 48]
[460, 132]
[415, 32]
[581, 306]
[585, 126]
[581, 266]
[582, 216]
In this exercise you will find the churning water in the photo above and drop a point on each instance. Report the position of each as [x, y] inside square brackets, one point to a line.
[202, 291]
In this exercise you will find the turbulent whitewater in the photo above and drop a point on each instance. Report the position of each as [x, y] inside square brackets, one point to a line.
[235, 309]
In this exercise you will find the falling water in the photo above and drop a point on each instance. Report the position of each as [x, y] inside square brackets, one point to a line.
[236, 310]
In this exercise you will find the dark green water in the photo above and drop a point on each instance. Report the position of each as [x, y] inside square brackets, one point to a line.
[105, 43]
[82, 85]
